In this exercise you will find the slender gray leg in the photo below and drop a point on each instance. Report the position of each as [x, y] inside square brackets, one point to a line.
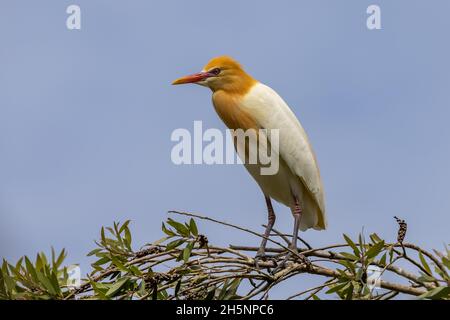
[271, 221]
[297, 212]
[297, 216]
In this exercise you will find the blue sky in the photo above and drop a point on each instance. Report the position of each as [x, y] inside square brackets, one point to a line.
[86, 116]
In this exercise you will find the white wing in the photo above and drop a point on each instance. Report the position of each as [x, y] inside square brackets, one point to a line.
[271, 112]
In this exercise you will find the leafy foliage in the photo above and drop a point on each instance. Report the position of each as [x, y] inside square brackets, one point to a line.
[183, 265]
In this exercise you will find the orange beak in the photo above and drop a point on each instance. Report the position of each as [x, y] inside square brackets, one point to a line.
[193, 78]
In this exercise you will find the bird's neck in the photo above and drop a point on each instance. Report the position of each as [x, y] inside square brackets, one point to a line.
[228, 105]
[238, 84]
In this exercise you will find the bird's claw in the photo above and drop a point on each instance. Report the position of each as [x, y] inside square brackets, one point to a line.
[261, 256]
[303, 259]
[297, 257]
[280, 266]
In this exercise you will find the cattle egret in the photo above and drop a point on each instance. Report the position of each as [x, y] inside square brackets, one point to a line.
[245, 103]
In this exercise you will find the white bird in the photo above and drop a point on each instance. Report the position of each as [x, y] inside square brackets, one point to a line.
[245, 103]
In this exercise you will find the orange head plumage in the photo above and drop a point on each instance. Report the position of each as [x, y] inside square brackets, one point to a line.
[221, 73]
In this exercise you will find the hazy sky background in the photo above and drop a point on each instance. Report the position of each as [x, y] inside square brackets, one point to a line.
[86, 116]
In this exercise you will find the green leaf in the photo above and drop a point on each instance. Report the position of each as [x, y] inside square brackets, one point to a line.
[426, 278]
[361, 242]
[424, 262]
[162, 295]
[135, 270]
[391, 253]
[60, 258]
[349, 256]
[223, 292]
[348, 293]
[102, 235]
[116, 231]
[9, 282]
[193, 227]
[39, 262]
[383, 259]
[55, 283]
[187, 252]
[46, 283]
[119, 264]
[375, 249]
[375, 238]
[102, 261]
[170, 233]
[177, 288]
[142, 292]
[31, 270]
[181, 228]
[348, 265]
[111, 230]
[352, 245]
[173, 244]
[359, 274]
[446, 262]
[93, 252]
[437, 293]
[180, 256]
[232, 289]
[53, 255]
[336, 287]
[17, 267]
[158, 242]
[3, 291]
[117, 286]
[124, 226]
[128, 238]
[43, 258]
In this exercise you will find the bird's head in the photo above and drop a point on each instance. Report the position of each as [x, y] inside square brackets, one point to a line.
[221, 73]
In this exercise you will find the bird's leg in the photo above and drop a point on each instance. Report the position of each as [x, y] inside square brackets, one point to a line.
[297, 212]
[271, 221]
[297, 216]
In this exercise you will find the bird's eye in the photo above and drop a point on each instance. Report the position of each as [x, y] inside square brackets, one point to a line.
[215, 71]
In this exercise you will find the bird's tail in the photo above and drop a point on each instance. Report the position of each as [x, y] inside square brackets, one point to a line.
[312, 215]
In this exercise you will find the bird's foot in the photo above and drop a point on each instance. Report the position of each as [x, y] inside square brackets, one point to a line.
[300, 257]
[262, 257]
[296, 257]
[283, 263]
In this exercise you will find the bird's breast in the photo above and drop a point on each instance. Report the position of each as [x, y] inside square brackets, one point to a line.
[230, 110]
